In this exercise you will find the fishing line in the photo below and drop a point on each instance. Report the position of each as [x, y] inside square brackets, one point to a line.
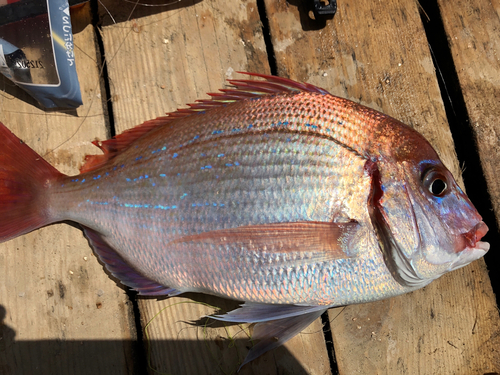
[146, 334]
[153, 5]
[442, 79]
[105, 62]
[206, 340]
[107, 11]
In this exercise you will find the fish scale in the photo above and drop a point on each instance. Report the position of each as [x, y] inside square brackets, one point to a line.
[293, 177]
[274, 192]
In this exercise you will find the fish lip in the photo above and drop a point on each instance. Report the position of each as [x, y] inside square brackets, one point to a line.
[482, 245]
[469, 247]
[468, 255]
[472, 239]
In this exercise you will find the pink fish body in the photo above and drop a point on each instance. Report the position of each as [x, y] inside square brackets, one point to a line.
[275, 193]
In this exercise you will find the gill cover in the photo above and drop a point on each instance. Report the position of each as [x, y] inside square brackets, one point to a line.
[394, 222]
[422, 220]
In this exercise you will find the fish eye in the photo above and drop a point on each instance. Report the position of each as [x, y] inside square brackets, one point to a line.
[435, 182]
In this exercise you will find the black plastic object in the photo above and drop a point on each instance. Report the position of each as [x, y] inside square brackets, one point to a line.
[325, 7]
[21, 9]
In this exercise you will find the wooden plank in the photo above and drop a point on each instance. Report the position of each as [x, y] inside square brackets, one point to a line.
[472, 29]
[59, 312]
[378, 55]
[159, 61]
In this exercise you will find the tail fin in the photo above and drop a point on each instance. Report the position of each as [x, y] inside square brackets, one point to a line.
[24, 176]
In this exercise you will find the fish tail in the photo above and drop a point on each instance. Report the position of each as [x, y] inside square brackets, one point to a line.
[24, 179]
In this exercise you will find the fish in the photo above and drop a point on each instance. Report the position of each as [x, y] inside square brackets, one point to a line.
[272, 192]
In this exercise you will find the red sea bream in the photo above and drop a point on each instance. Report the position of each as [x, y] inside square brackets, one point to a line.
[273, 192]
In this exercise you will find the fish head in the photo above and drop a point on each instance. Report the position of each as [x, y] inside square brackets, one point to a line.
[426, 224]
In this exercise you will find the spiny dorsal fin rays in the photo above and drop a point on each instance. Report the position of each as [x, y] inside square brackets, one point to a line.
[274, 84]
[113, 146]
[248, 89]
[243, 89]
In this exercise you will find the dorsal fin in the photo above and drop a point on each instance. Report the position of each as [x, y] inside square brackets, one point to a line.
[273, 85]
[242, 90]
[113, 146]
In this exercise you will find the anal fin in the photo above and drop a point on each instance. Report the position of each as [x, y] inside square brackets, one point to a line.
[123, 271]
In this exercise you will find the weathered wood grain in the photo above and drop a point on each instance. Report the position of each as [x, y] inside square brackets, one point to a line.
[59, 312]
[377, 54]
[473, 31]
[158, 62]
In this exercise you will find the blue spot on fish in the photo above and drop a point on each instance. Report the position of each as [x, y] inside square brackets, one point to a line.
[174, 156]
[220, 155]
[163, 175]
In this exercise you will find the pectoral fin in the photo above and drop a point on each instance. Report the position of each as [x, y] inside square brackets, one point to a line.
[327, 241]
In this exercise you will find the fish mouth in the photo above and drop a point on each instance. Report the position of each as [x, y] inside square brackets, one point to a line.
[472, 238]
[470, 247]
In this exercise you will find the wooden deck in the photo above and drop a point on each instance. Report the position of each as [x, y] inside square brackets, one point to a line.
[60, 313]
